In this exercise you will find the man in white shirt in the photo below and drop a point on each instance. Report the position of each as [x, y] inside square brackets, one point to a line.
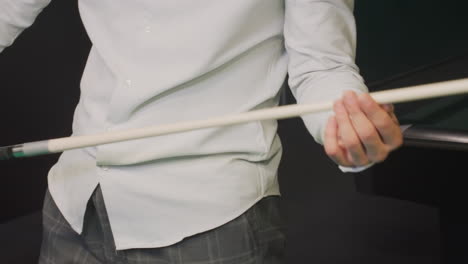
[210, 195]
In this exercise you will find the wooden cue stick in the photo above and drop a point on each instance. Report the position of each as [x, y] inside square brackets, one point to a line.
[57, 145]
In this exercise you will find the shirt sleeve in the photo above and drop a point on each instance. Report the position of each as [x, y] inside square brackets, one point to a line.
[320, 39]
[15, 16]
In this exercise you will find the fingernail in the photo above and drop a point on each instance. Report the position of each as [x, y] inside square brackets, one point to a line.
[350, 99]
[339, 108]
[362, 97]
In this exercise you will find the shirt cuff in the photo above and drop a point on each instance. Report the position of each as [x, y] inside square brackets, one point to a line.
[355, 169]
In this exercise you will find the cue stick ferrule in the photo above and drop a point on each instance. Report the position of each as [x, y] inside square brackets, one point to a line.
[24, 150]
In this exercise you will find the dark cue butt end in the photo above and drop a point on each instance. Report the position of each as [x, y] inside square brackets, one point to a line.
[6, 153]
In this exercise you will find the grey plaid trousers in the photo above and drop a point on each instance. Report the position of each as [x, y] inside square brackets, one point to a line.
[255, 237]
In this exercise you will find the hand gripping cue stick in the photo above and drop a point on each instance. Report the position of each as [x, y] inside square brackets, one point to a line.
[407, 94]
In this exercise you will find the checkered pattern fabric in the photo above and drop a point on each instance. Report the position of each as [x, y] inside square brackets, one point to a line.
[254, 237]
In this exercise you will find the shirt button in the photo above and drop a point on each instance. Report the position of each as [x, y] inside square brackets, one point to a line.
[104, 168]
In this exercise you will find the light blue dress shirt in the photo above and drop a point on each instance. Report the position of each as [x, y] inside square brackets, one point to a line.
[159, 62]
